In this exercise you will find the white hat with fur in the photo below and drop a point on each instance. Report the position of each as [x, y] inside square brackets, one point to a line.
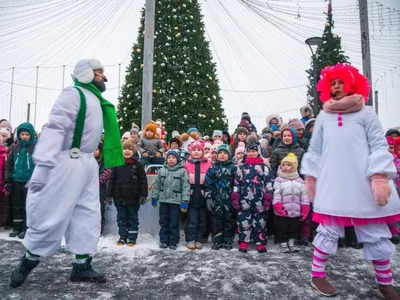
[83, 71]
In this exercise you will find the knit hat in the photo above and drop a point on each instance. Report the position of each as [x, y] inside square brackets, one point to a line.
[126, 135]
[151, 127]
[392, 131]
[296, 124]
[267, 130]
[242, 130]
[83, 71]
[5, 131]
[175, 133]
[240, 150]
[196, 144]
[252, 143]
[310, 123]
[134, 130]
[135, 126]
[129, 145]
[176, 153]
[225, 148]
[291, 159]
[283, 126]
[193, 129]
[275, 128]
[175, 140]
[246, 116]
[217, 133]
[5, 124]
[207, 145]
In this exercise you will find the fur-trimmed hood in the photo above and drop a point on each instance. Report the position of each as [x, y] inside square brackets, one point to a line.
[303, 111]
[274, 116]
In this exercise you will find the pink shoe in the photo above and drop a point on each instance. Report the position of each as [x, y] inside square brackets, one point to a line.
[243, 246]
[261, 249]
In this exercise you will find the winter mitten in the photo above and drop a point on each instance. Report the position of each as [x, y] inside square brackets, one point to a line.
[142, 200]
[184, 207]
[381, 188]
[267, 201]
[7, 189]
[278, 208]
[305, 210]
[209, 204]
[310, 187]
[154, 202]
[37, 182]
[235, 197]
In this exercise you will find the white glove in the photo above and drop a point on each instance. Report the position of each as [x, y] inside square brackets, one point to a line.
[40, 179]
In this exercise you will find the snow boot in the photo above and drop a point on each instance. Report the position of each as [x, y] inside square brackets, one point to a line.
[198, 246]
[21, 235]
[163, 245]
[121, 241]
[342, 243]
[217, 246]
[85, 272]
[228, 246]
[261, 249]
[388, 292]
[173, 247]
[323, 286]
[14, 233]
[20, 273]
[284, 248]
[191, 245]
[243, 246]
[131, 243]
[292, 246]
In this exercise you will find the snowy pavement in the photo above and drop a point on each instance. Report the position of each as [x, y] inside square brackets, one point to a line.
[147, 272]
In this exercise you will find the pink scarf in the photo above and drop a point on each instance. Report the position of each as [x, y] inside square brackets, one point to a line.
[345, 105]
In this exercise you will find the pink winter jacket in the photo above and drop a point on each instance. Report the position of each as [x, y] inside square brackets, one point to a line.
[292, 194]
[204, 166]
[3, 159]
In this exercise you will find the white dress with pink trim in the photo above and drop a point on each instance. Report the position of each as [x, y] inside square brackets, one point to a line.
[345, 151]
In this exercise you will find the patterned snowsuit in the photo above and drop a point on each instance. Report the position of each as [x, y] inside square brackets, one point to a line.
[253, 181]
[218, 189]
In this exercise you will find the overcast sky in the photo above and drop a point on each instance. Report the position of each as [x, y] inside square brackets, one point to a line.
[260, 58]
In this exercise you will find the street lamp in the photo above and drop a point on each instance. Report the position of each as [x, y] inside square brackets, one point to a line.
[314, 41]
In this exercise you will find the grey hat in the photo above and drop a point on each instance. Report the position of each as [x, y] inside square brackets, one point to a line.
[217, 133]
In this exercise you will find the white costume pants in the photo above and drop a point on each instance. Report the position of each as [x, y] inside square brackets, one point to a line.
[67, 205]
[374, 236]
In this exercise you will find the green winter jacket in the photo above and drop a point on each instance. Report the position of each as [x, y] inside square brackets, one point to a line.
[172, 185]
[20, 164]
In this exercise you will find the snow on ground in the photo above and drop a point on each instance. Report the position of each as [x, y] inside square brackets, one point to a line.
[147, 272]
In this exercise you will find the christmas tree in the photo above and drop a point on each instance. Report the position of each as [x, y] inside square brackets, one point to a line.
[186, 89]
[328, 53]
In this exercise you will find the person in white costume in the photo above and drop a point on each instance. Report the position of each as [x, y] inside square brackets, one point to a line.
[63, 193]
[349, 174]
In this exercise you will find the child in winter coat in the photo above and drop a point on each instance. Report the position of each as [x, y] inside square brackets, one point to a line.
[19, 171]
[172, 191]
[306, 113]
[104, 176]
[213, 153]
[252, 197]
[176, 144]
[241, 135]
[239, 154]
[290, 204]
[128, 186]
[150, 148]
[349, 149]
[196, 166]
[287, 145]
[298, 126]
[218, 189]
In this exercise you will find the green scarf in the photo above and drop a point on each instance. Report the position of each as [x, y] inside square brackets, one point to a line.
[112, 151]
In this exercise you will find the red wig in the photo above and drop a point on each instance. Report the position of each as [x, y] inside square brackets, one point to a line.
[354, 82]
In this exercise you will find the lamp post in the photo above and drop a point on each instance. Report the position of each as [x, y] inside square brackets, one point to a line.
[314, 41]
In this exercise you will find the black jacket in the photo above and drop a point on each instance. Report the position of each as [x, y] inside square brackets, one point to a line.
[127, 184]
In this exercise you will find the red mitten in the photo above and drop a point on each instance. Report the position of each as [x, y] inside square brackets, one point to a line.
[381, 188]
[267, 201]
[305, 210]
[278, 208]
[310, 187]
[235, 197]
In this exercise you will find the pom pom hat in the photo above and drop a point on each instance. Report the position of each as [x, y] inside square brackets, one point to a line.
[197, 144]
[354, 82]
[83, 71]
[291, 158]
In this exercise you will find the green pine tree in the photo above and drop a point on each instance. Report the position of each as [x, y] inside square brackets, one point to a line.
[328, 53]
[186, 89]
